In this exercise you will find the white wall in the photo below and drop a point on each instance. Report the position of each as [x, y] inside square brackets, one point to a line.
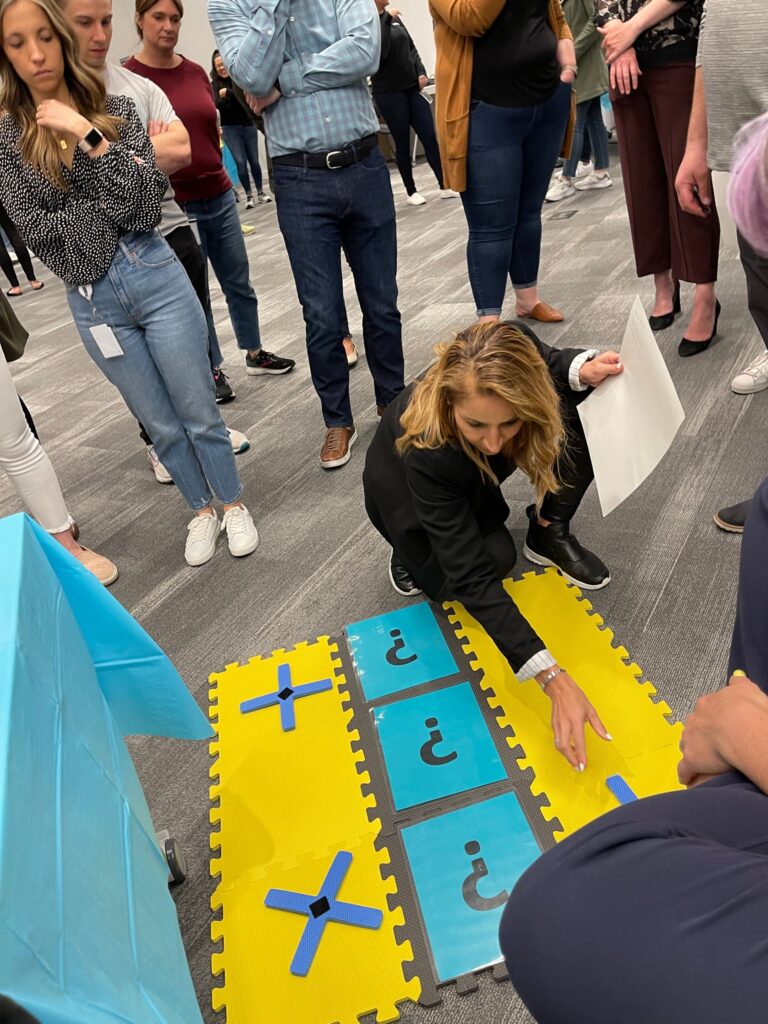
[197, 43]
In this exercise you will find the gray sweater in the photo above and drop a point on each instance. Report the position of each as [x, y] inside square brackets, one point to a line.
[733, 44]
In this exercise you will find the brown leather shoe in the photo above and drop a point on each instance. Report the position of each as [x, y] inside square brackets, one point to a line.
[380, 410]
[101, 567]
[336, 447]
[544, 313]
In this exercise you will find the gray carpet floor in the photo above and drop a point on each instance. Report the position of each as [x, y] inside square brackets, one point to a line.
[320, 565]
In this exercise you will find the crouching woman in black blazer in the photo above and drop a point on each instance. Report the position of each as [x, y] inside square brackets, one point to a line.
[496, 399]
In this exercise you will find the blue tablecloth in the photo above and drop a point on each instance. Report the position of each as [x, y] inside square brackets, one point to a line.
[88, 929]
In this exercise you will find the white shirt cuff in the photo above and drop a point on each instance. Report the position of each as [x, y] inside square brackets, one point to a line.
[539, 662]
[576, 365]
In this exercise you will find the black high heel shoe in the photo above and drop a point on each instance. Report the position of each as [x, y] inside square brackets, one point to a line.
[692, 348]
[661, 323]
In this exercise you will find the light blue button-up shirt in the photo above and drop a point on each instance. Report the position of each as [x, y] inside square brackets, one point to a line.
[318, 53]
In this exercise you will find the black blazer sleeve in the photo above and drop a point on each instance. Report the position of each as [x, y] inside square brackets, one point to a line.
[439, 481]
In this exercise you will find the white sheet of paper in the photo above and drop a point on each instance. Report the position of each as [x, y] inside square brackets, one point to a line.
[631, 420]
[105, 338]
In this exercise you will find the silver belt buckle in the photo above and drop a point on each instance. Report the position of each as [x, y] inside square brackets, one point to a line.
[328, 164]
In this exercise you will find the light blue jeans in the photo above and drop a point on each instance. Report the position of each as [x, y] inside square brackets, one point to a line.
[163, 373]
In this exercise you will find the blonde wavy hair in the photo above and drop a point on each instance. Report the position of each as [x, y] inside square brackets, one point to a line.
[39, 146]
[490, 359]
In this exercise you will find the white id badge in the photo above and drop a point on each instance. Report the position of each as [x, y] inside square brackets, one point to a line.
[108, 344]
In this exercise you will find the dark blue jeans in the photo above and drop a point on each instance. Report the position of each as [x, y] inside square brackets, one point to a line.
[221, 239]
[320, 213]
[589, 125]
[657, 911]
[512, 151]
[242, 141]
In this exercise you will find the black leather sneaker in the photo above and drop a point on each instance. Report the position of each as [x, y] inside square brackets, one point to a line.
[401, 580]
[555, 545]
[733, 518]
[224, 392]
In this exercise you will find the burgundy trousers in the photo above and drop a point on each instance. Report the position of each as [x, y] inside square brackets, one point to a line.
[652, 126]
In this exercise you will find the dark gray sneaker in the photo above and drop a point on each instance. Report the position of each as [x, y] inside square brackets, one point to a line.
[267, 362]
[732, 519]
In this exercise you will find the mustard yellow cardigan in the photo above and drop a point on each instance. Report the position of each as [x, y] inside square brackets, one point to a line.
[457, 24]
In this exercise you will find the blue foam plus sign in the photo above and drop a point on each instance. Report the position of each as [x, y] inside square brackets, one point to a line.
[285, 697]
[320, 910]
[620, 789]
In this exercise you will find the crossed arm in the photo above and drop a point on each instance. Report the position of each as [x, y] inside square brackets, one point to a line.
[253, 47]
[172, 147]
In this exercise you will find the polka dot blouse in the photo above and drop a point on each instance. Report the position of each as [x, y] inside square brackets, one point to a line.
[76, 232]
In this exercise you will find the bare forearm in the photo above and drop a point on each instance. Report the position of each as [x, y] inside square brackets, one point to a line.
[698, 135]
[652, 13]
[566, 53]
[172, 152]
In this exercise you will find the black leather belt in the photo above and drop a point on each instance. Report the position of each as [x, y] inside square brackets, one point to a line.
[333, 161]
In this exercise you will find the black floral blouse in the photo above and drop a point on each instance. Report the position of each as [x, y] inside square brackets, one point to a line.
[674, 39]
[75, 232]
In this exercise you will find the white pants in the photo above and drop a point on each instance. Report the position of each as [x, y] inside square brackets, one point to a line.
[24, 460]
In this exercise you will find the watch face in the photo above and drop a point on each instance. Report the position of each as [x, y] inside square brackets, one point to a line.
[93, 138]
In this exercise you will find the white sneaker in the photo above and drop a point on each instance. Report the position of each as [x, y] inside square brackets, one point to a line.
[240, 442]
[448, 193]
[593, 180]
[202, 534]
[583, 170]
[560, 189]
[754, 378]
[161, 473]
[263, 198]
[416, 200]
[249, 203]
[242, 535]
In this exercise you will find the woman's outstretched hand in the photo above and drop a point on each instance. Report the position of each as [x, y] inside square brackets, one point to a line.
[594, 371]
[570, 713]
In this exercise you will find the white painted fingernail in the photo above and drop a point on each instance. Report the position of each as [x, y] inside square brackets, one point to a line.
[608, 736]
[581, 767]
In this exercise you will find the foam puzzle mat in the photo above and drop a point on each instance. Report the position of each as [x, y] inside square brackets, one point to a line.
[376, 797]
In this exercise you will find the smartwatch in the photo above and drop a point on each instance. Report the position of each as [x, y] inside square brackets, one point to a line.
[91, 140]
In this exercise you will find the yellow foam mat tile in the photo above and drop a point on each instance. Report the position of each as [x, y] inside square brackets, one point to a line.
[355, 971]
[644, 751]
[283, 795]
[280, 801]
